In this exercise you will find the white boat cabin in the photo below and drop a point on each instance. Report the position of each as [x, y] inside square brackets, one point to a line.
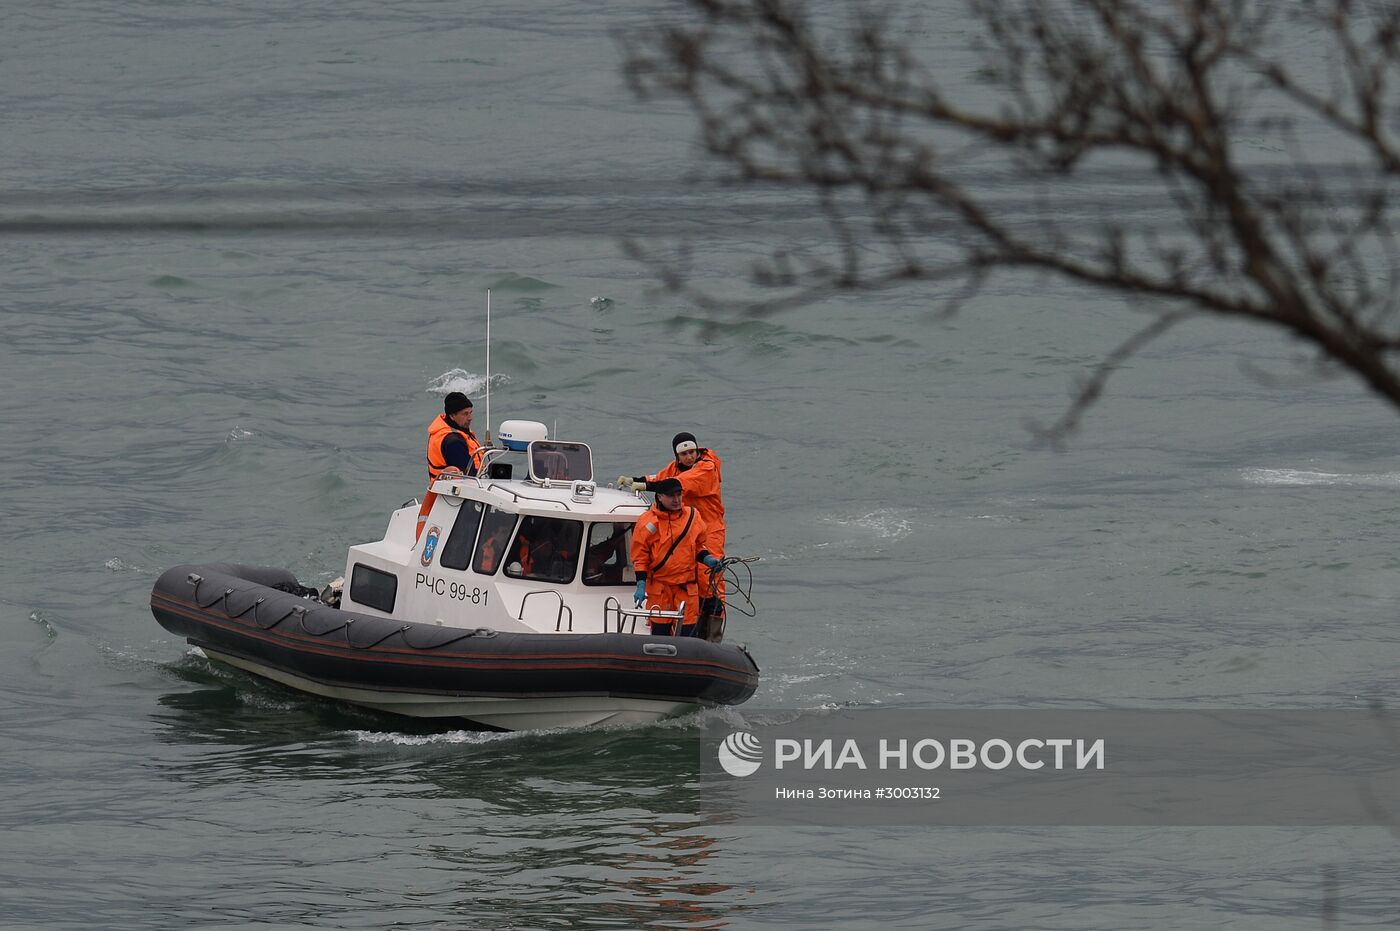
[543, 552]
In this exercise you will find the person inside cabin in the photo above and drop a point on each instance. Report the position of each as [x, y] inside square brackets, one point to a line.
[522, 562]
[545, 550]
[698, 470]
[669, 541]
[605, 561]
[491, 548]
[451, 445]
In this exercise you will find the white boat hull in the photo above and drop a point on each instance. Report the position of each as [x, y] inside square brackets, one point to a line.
[512, 714]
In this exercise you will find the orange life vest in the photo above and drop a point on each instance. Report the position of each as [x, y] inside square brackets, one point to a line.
[438, 431]
[488, 555]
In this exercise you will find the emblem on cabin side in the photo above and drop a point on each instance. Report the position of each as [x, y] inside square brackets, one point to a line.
[430, 542]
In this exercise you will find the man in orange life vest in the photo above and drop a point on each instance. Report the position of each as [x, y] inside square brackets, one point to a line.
[668, 542]
[451, 443]
[698, 471]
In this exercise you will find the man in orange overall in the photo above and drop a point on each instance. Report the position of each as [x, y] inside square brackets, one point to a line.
[668, 542]
[451, 443]
[698, 471]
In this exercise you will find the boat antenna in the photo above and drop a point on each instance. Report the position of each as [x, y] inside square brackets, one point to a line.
[488, 366]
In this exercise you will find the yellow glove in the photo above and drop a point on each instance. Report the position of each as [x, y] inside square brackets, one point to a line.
[624, 482]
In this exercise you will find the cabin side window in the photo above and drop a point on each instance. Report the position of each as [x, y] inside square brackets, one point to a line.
[456, 553]
[496, 526]
[373, 588]
[608, 558]
[545, 550]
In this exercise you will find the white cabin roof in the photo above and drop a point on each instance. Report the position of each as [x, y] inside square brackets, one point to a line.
[553, 499]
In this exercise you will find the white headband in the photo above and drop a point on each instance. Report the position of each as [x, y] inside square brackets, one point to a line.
[685, 446]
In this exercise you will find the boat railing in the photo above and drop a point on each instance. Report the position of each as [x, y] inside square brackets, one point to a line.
[555, 502]
[518, 495]
[627, 618]
[564, 613]
[489, 453]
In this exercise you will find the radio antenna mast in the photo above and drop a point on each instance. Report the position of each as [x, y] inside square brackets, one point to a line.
[488, 366]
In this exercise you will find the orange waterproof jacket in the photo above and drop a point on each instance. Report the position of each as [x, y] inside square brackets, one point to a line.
[438, 431]
[701, 486]
[656, 531]
[489, 552]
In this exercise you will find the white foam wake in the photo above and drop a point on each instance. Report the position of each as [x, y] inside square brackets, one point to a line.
[885, 524]
[450, 737]
[1304, 477]
[469, 383]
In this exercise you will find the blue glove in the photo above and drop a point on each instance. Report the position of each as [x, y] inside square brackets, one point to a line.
[641, 595]
[712, 562]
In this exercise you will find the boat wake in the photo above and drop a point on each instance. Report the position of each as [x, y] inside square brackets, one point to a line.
[884, 524]
[447, 738]
[463, 381]
[688, 722]
[868, 532]
[1299, 477]
[117, 564]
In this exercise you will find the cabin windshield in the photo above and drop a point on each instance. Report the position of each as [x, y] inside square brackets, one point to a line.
[561, 462]
[545, 550]
[607, 560]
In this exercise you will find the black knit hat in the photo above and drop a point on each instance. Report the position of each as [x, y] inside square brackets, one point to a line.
[455, 402]
[667, 486]
[680, 438]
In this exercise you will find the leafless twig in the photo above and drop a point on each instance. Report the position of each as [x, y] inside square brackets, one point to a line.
[854, 116]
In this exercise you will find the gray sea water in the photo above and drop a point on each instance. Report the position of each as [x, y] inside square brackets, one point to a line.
[246, 251]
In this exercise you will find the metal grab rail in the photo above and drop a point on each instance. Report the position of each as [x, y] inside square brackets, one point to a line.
[519, 495]
[488, 453]
[612, 608]
[558, 617]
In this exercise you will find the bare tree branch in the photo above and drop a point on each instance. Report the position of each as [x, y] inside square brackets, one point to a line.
[1091, 389]
[855, 115]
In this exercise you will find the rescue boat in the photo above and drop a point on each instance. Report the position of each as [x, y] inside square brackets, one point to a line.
[512, 609]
